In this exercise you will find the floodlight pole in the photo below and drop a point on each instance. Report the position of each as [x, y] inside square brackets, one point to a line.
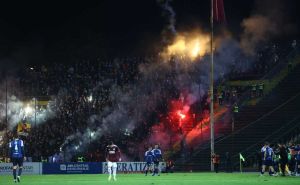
[6, 100]
[212, 129]
[35, 111]
[90, 138]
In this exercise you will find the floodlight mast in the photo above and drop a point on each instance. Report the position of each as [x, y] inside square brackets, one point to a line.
[212, 129]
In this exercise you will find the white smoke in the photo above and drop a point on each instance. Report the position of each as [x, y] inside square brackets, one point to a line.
[169, 14]
[136, 106]
[268, 20]
[16, 110]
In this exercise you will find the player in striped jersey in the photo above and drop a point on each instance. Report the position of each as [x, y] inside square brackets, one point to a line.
[16, 151]
[157, 158]
[149, 159]
[267, 158]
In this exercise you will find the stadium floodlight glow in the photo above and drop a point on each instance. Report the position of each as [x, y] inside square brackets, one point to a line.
[90, 98]
[28, 110]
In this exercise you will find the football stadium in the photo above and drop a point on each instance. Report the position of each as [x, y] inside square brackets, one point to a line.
[152, 92]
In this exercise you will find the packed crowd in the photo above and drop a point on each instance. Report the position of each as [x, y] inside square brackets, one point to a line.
[83, 88]
[265, 59]
[80, 89]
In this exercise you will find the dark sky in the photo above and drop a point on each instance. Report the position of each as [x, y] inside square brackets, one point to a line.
[60, 31]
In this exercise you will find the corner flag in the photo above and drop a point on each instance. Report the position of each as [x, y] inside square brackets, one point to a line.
[242, 158]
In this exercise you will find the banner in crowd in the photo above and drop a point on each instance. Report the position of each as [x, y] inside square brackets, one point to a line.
[128, 167]
[23, 128]
[72, 168]
[29, 168]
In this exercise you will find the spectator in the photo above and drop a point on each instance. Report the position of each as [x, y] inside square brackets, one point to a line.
[170, 166]
[235, 108]
[216, 161]
[253, 91]
[220, 98]
[261, 89]
[228, 166]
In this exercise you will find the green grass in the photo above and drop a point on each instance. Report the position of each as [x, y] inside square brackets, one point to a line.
[164, 179]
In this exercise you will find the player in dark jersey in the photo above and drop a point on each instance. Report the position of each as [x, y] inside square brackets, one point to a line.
[296, 150]
[16, 151]
[157, 158]
[283, 157]
[112, 155]
[149, 159]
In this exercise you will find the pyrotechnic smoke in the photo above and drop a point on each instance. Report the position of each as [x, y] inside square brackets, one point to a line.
[194, 81]
[257, 29]
[17, 110]
[170, 15]
[267, 21]
[138, 106]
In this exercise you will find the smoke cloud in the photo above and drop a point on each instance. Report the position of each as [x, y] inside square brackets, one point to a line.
[136, 107]
[268, 20]
[17, 109]
[169, 14]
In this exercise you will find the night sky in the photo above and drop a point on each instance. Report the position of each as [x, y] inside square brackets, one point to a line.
[61, 31]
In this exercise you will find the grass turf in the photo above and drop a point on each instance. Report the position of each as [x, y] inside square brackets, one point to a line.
[164, 179]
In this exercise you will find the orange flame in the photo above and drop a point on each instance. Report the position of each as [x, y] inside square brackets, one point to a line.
[191, 46]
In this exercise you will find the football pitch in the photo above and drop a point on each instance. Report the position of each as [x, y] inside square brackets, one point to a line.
[164, 179]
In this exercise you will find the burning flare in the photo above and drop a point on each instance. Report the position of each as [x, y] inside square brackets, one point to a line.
[190, 46]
